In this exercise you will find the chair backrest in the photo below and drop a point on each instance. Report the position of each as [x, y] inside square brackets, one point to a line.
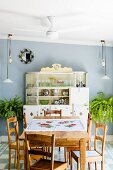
[100, 135]
[53, 113]
[24, 120]
[11, 129]
[89, 124]
[17, 134]
[89, 127]
[44, 141]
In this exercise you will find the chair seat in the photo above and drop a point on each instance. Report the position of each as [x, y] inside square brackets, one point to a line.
[91, 153]
[13, 145]
[45, 164]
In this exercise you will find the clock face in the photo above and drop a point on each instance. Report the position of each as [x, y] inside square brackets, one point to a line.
[26, 56]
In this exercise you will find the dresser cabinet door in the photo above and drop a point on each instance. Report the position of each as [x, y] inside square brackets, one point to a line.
[82, 113]
[79, 96]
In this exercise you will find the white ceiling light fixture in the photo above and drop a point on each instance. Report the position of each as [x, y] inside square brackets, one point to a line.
[104, 62]
[54, 26]
[51, 33]
[9, 59]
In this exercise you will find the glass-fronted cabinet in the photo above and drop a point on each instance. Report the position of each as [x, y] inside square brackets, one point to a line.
[48, 88]
[52, 88]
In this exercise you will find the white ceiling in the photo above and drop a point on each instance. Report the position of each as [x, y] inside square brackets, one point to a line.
[75, 20]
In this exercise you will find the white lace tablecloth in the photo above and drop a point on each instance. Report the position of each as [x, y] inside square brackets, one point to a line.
[55, 125]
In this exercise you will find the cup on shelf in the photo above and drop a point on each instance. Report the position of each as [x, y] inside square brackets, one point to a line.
[66, 83]
[47, 83]
[70, 82]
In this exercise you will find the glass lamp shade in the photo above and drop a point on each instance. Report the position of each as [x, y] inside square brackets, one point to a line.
[7, 81]
[105, 77]
[10, 60]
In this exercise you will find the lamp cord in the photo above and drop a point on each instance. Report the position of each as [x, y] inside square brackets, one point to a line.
[105, 61]
[9, 46]
[7, 57]
[102, 52]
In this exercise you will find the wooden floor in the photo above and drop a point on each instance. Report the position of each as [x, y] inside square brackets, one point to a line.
[58, 155]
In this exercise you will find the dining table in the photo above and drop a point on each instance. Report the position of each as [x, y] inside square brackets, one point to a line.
[67, 130]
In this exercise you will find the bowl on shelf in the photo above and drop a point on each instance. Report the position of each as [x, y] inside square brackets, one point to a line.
[44, 102]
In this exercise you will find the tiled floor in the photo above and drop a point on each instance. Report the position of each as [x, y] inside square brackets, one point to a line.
[58, 155]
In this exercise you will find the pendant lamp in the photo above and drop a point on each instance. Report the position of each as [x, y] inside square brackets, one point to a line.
[9, 59]
[104, 62]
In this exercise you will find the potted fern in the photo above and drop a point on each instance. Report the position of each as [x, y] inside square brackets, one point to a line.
[101, 108]
[12, 107]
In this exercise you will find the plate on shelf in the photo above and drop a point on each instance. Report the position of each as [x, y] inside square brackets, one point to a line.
[54, 92]
[45, 92]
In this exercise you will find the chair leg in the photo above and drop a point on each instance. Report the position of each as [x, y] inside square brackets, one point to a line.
[59, 149]
[48, 149]
[89, 166]
[18, 162]
[65, 154]
[69, 155]
[78, 166]
[71, 163]
[9, 164]
[102, 165]
[95, 165]
[15, 159]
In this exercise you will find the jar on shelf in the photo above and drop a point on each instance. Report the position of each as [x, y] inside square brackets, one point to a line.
[81, 79]
[52, 81]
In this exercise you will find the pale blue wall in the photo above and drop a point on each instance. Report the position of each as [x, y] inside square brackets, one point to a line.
[79, 57]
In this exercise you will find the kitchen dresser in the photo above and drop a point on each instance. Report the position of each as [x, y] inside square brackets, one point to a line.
[57, 88]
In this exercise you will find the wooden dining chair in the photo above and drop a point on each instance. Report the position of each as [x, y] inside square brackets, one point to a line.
[12, 140]
[81, 144]
[53, 113]
[46, 161]
[67, 151]
[94, 155]
[20, 147]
